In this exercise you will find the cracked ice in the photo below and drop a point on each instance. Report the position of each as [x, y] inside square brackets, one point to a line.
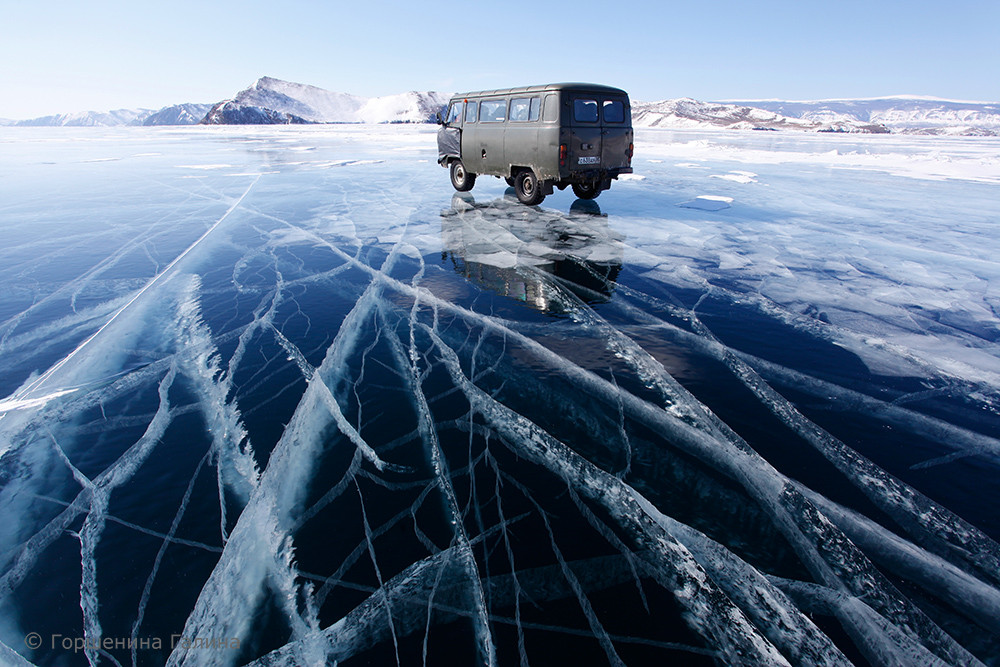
[262, 411]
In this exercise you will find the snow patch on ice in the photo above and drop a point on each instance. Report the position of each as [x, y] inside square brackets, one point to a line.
[204, 166]
[346, 163]
[708, 202]
[737, 177]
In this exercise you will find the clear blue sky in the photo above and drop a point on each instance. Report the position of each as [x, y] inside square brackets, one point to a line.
[63, 56]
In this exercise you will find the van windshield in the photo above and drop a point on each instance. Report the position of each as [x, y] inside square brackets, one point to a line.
[454, 112]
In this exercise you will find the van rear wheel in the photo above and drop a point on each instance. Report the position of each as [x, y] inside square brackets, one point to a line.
[586, 190]
[460, 178]
[526, 188]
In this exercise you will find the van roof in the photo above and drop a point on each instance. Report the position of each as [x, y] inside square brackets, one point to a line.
[589, 87]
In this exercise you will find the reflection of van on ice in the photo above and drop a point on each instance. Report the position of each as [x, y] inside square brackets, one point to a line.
[537, 137]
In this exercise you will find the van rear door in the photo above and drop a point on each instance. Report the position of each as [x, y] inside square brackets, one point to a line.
[616, 129]
[585, 132]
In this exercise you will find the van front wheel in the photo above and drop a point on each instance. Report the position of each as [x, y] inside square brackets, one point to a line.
[460, 178]
[526, 188]
[586, 190]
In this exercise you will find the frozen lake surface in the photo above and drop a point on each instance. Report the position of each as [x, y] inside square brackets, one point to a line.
[277, 396]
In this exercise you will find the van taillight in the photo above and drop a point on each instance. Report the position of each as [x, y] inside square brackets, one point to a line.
[630, 153]
[562, 155]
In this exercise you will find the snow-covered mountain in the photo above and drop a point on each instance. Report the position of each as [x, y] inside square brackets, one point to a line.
[178, 114]
[231, 112]
[89, 119]
[905, 114]
[688, 113]
[285, 100]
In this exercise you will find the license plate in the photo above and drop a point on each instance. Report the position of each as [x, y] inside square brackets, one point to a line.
[590, 159]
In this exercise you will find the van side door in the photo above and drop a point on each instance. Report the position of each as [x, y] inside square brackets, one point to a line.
[488, 156]
[520, 139]
[449, 136]
[470, 142]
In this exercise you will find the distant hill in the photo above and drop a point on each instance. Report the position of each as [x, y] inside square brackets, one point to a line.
[88, 119]
[231, 112]
[688, 113]
[902, 114]
[286, 101]
[178, 114]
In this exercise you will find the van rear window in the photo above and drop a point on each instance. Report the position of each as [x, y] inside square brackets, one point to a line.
[492, 111]
[614, 111]
[585, 111]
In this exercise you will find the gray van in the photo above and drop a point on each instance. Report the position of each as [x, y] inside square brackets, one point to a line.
[539, 137]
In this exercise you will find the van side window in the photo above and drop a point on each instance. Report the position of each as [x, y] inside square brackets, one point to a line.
[585, 111]
[551, 112]
[525, 109]
[614, 111]
[492, 111]
[470, 113]
[519, 109]
[454, 112]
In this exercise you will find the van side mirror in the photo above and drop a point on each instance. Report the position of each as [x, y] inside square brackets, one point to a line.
[440, 121]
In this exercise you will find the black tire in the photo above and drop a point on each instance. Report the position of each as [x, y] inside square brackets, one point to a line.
[510, 181]
[526, 188]
[587, 189]
[460, 178]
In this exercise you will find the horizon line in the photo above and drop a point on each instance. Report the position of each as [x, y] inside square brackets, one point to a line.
[923, 98]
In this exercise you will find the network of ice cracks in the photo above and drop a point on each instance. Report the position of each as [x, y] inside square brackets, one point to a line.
[361, 450]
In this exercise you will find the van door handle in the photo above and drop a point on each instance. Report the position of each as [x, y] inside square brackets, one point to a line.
[587, 147]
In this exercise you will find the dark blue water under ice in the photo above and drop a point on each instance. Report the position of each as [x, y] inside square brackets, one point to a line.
[279, 396]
